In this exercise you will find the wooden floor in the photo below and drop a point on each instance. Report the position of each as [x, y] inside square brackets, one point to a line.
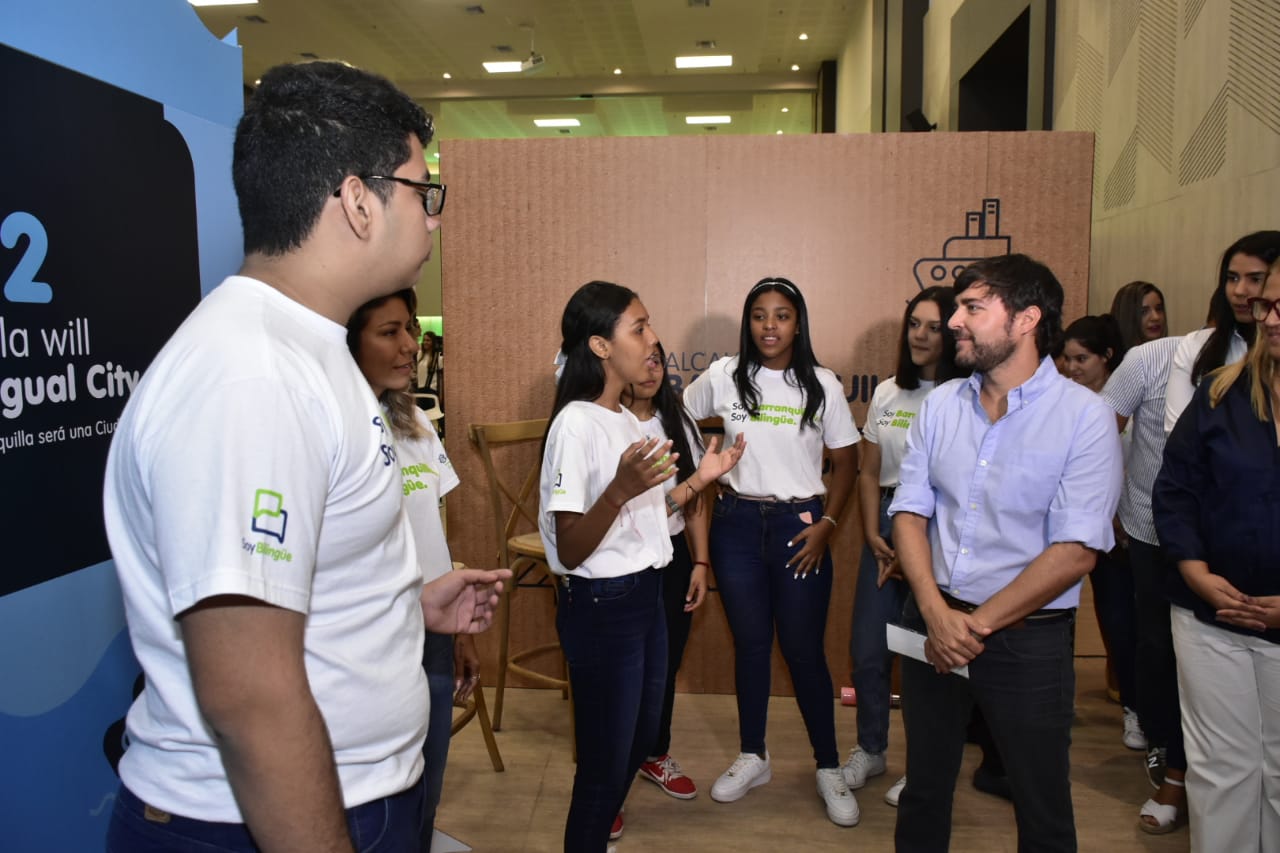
[523, 809]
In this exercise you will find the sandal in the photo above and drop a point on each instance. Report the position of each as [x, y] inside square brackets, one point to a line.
[1167, 817]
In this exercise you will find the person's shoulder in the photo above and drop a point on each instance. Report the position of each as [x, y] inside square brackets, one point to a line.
[1192, 342]
[886, 390]
[948, 391]
[725, 365]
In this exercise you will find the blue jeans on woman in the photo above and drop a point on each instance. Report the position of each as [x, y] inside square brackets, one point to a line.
[437, 662]
[749, 551]
[873, 608]
[614, 637]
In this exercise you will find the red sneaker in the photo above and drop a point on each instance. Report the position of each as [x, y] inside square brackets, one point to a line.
[665, 773]
[616, 832]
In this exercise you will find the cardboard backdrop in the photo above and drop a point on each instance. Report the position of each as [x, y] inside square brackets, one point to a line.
[859, 222]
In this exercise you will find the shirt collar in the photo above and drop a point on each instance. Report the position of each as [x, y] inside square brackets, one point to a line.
[1042, 380]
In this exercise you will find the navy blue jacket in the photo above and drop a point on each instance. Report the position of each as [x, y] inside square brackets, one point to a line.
[1217, 499]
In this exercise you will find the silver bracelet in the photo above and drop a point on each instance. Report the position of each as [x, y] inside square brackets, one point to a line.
[671, 503]
[830, 519]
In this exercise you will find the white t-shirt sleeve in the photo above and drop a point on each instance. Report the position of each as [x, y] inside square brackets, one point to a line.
[879, 399]
[247, 503]
[567, 462]
[1179, 391]
[700, 397]
[838, 428]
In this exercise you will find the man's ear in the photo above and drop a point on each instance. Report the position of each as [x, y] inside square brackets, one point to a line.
[1029, 318]
[357, 204]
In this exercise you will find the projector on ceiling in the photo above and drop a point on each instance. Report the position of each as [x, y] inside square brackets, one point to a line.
[533, 63]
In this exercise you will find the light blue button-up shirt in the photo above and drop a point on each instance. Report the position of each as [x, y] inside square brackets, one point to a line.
[998, 494]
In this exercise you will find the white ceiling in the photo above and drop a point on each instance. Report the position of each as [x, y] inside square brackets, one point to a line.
[415, 42]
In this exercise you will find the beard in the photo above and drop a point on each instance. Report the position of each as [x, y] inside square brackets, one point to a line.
[985, 357]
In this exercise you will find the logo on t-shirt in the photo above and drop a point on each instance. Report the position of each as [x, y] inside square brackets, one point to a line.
[412, 476]
[895, 419]
[269, 515]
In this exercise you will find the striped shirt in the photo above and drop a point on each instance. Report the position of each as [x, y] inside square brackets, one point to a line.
[1137, 391]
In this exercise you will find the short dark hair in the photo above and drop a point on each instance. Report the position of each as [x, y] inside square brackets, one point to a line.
[1100, 335]
[308, 126]
[1020, 282]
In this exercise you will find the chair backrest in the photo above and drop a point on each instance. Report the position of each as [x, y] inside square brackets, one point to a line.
[487, 437]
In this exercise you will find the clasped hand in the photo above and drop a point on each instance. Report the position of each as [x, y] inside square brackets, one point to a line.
[955, 638]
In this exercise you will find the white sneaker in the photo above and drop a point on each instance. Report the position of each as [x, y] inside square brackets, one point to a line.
[747, 771]
[1133, 736]
[892, 795]
[861, 766]
[842, 808]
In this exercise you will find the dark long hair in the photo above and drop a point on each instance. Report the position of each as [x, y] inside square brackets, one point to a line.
[399, 405]
[1126, 308]
[678, 424]
[593, 309]
[1263, 245]
[1099, 334]
[907, 376]
[803, 370]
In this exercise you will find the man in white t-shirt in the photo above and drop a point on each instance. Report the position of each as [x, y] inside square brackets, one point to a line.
[253, 505]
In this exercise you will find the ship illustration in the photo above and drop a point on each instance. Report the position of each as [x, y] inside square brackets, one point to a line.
[981, 239]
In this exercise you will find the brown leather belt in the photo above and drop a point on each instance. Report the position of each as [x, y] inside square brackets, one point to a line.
[1040, 617]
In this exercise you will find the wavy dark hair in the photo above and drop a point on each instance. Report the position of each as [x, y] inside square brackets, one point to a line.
[803, 370]
[1126, 308]
[1100, 335]
[1020, 282]
[907, 376]
[594, 309]
[1263, 245]
[399, 405]
[678, 425]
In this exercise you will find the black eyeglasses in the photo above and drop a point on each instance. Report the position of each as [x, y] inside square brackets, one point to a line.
[1261, 308]
[432, 194]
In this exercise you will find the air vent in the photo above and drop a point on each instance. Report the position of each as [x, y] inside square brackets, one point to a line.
[255, 19]
[699, 4]
[565, 130]
[502, 48]
[706, 44]
[475, 10]
[306, 54]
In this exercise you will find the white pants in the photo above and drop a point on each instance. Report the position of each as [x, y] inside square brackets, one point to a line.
[1230, 685]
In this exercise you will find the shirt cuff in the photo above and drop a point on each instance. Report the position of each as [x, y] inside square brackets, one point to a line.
[1091, 529]
[918, 500]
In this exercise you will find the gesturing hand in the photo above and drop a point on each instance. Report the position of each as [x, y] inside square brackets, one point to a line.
[642, 466]
[462, 601]
[716, 463]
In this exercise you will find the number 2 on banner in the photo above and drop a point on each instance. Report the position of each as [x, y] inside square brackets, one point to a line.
[22, 285]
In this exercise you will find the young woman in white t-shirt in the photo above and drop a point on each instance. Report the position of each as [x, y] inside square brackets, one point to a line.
[603, 520]
[381, 339]
[771, 524]
[926, 358]
[684, 580]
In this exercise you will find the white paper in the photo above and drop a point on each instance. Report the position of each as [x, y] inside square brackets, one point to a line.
[911, 643]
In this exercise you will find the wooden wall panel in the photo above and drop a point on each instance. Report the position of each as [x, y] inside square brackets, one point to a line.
[691, 223]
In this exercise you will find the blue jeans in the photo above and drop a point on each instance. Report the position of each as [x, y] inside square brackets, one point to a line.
[387, 825]
[1024, 684]
[614, 638]
[749, 551]
[437, 662]
[873, 608]
[675, 586]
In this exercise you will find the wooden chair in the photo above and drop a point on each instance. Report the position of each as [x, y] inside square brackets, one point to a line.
[521, 552]
[475, 709]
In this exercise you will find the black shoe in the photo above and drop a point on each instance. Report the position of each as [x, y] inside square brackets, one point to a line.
[990, 783]
[1155, 766]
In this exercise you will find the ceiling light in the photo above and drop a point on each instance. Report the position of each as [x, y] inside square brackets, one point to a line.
[617, 71]
[779, 133]
[704, 61]
[786, 109]
[503, 67]
[793, 67]
[707, 120]
[223, 2]
[557, 122]
[446, 75]
[804, 37]
[436, 155]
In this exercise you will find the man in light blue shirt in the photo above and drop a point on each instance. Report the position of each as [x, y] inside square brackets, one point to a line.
[1009, 483]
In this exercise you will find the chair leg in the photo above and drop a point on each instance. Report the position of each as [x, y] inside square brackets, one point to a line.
[482, 712]
[504, 637]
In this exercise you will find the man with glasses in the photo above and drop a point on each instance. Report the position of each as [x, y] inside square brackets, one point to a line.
[253, 506]
[1010, 479]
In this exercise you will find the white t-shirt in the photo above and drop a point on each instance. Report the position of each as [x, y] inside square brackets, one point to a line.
[652, 428]
[584, 444]
[428, 476]
[1180, 390]
[889, 417]
[252, 460]
[782, 460]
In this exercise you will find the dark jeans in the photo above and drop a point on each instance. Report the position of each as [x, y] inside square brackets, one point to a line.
[1159, 708]
[675, 586]
[437, 662]
[614, 637]
[874, 608]
[749, 550]
[388, 825]
[1024, 684]
[1113, 603]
